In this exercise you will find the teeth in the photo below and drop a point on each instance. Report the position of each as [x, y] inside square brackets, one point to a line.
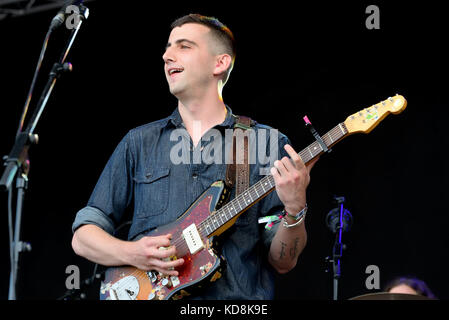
[174, 70]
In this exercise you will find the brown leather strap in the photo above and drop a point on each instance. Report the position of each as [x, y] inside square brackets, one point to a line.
[238, 167]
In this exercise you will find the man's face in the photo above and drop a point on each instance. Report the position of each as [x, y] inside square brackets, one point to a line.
[189, 63]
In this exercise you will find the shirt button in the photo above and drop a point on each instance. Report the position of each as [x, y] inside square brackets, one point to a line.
[195, 176]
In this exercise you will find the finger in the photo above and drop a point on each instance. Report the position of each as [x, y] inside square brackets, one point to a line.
[165, 271]
[275, 173]
[164, 252]
[294, 156]
[168, 264]
[279, 165]
[159, 241]
[166, 267]
[288, 164]
[162, 241]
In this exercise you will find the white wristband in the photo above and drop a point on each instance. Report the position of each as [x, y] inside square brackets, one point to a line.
[285, 224]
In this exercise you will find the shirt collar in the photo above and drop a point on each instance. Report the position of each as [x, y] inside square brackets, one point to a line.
[176, 120]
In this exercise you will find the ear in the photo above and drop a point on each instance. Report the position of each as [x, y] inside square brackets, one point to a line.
[222, 63]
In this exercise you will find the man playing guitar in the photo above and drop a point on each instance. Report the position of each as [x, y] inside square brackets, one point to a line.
[198, 59]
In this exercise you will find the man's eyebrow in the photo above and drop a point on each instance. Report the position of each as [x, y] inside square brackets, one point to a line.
[182, 40]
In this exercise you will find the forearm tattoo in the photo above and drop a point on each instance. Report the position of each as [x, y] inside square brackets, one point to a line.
[282, 254]
[293, 251]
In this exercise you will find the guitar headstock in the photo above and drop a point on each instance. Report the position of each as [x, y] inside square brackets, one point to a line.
[367, 119]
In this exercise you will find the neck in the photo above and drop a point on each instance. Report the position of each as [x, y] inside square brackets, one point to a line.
[201, 114]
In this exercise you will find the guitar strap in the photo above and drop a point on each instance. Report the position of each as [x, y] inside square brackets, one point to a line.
[237, 171]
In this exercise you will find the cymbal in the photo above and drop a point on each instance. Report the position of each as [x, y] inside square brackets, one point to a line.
[390, 296]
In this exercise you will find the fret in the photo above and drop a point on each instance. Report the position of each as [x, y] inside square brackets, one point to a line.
[226, 213]
[330, 137]
[263, 184]
[255, 190]
[206, 226]
[220, 216]
[254, 194]
[214, 222]
[224, 218]
[249, 196]
[242, 202]
[342, 130]
[260, 186]
[311, 155]
[233, 207]
[303, 156]
[315, 147]
[271, 182]
[238, 202]
[334, 134]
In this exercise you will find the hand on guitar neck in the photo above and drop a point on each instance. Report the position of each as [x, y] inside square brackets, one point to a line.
[292, 177]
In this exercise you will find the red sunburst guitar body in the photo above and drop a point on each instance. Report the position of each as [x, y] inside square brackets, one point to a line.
[130, 283]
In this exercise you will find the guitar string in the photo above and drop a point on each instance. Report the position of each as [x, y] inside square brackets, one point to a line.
[334, 134]
[180, 242]
[137, 273]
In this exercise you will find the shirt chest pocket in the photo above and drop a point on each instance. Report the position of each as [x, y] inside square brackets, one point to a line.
[151, 192]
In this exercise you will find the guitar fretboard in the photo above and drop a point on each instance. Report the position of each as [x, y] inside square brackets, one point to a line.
[265, 185]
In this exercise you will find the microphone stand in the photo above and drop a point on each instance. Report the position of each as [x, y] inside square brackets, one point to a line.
[17, 162]
[338, 248]
[338, 220]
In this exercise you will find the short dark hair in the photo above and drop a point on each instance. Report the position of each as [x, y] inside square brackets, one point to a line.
[219, 31]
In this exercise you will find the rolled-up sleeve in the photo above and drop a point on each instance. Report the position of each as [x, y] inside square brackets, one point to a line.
[91, 215]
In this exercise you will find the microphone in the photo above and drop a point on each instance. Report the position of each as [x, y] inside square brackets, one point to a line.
[60, 16]
[333, 220]
[336, 219]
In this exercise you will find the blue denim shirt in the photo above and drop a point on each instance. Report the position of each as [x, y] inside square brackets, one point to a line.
[141, 173]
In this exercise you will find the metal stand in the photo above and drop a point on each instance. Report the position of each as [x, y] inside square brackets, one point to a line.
[18, 246]
[17, 162]
[338, 220]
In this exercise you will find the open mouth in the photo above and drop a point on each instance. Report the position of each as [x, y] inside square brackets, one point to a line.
[173, 71]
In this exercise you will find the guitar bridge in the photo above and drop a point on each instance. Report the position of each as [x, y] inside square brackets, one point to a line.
[193, 239]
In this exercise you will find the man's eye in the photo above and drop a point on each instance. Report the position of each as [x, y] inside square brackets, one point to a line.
[184, 47]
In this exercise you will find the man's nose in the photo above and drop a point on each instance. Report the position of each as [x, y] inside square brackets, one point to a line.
[168, 55]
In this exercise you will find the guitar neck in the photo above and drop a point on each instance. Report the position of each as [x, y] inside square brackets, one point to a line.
[265, 185]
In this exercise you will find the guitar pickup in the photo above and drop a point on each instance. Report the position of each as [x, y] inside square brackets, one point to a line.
[193, 239]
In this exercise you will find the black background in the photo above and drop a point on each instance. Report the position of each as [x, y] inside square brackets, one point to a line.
[293, 59]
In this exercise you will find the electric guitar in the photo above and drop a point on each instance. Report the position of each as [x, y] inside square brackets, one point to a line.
[194, 231]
